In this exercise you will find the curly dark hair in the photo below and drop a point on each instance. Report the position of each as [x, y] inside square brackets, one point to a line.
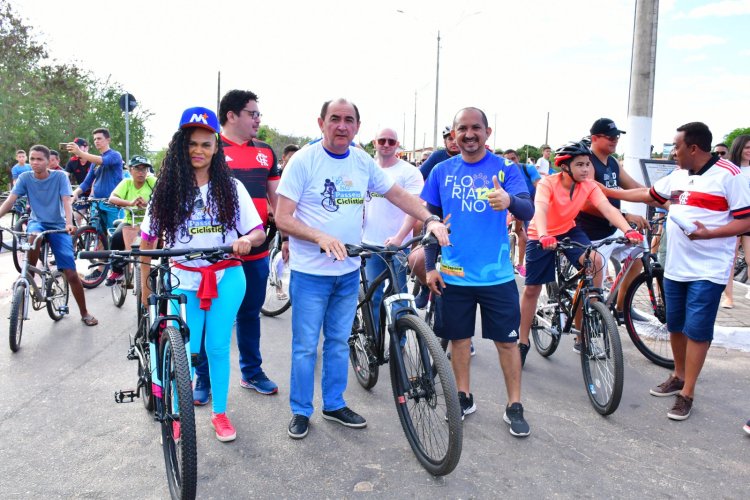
[174, 195]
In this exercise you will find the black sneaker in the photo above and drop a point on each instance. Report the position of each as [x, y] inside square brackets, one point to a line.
[467, 404]
[514, 417]
[93, 275]
[298, 427]
[347, 417]
[524, 348]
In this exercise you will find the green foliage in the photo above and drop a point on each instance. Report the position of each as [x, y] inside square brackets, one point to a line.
[369, 147]
[526, 151]
[731, 136]
[48, 103]
[278, 141]
[157, 158]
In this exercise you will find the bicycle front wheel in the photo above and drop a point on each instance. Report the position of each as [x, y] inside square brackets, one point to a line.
[426, 398]
[601, 358]
[18, 254]
[277, 286]
[16, 317]
[142, 348]
[362, 346]
[178, 422]
[545, 327]
[92, 271]
[58, 293]
[645, 311]
[119, 289]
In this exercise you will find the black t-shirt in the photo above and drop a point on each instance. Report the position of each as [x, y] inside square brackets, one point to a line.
[595, 227]
[77, 169]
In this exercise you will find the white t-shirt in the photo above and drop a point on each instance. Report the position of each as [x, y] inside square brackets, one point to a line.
[542, 166]
[329, 191]
[383, 219]
[202, 232]
[715, 197]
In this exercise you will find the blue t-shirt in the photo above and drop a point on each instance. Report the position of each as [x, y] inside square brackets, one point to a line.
[19, 169]
[106, 176]
[435, 158]
[480, 254]
[44, 196]
[530, 175]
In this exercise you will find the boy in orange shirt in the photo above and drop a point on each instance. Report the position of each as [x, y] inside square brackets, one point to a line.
[558, 200]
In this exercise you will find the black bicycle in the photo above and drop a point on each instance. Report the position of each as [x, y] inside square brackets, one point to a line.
[601, 350]
[424, 388]
[164, 366]
[90, 238]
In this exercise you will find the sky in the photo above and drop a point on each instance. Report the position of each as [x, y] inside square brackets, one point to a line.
[517, 61]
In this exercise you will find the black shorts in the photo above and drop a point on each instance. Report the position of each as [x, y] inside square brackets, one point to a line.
[499, 305]
[540, 263]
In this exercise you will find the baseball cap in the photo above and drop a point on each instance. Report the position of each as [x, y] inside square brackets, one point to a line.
[200, 117]
[605, 126]
[446, 132]
[136, 160]
[80, 141]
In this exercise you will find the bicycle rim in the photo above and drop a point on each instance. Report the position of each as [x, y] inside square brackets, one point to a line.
[428, 407]
[119, 292]
[16, 317]
[362, 347]
[277, 287]
[88, 239]
[546, 324]
[647, 328]
[601, 359]
[58, 293]
[18, 254]
[179, 453]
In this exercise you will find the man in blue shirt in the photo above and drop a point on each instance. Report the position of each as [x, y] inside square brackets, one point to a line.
[19, 167]
[451, 150]
[49, 195]
[476, 189]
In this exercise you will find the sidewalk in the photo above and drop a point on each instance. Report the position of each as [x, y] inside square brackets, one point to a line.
[733, 325]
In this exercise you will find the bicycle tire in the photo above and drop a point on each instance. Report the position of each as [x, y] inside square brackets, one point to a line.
[4, 243]
[88, 238]
[58, 294]
[18, 254]
[16, 317]
[137, 292]
[180, 456]
[273, 305]
[512, 242]
[648, 330]
[547, 338]
[362, 346]
[429, 410]
[119, 288]
[142, 346]
[601, 359]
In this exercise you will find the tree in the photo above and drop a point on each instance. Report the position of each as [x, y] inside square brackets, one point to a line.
[46, 103]
[731, 136]
[526, 151]
[278, 141]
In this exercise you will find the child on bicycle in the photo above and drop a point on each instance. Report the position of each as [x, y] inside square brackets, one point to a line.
[197, 203]
[132, 192]
[559, 198]
[49, 193]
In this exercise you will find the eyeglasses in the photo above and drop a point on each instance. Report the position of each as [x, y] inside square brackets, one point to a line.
[140, 168]
[253, 114]
[721, 153]
[611, 138]
[383, 140]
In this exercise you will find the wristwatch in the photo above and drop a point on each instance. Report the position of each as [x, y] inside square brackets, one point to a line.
[430, 219]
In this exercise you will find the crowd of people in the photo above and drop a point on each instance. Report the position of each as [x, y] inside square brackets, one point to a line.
[220, 185]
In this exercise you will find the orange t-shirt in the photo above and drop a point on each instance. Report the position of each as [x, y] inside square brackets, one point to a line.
[561, 210]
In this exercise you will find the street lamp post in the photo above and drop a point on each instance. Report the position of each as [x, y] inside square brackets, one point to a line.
[437, 90]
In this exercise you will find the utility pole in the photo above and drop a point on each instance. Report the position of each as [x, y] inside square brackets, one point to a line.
[641, 96]
[437, 86]
[494, 134]
[546, 132]
[218, 92]
[414, 139]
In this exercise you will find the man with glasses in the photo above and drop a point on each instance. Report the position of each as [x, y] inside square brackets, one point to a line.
[254, 164]
[721, 150]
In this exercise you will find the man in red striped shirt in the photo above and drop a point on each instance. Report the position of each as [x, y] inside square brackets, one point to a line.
[710, 205]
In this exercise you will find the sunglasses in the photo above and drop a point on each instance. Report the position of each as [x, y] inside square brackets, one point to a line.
[383, 140]
[611, 138]
[721, 153]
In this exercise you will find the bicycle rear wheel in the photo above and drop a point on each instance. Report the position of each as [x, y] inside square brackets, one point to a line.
[16, 317]
[178, 422]
[58, 293]
[120, 287]
[545, 328]
[92, 271]
[363, 347]
[277, 286]
[645, 311]
[426, 397]
[601, 358]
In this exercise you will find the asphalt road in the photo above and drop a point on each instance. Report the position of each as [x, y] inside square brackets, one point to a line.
[63, 436]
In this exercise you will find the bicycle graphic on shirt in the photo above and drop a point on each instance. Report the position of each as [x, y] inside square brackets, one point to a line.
[329, 196]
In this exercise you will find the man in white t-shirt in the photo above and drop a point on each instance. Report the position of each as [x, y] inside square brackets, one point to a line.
[321, 197]
[542, 164]
[385, 223]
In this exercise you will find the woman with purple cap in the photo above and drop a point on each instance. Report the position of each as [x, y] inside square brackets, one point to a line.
[197, 203]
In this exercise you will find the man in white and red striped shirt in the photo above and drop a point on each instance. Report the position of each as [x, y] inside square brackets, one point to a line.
[709, 192]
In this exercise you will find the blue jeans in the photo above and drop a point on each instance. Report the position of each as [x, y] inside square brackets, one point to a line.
[248, 322]
[373, 267]
[330, 302]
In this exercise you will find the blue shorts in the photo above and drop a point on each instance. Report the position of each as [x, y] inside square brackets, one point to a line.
[499, 304]
[61, 243]
[540, 263]
[692, 307]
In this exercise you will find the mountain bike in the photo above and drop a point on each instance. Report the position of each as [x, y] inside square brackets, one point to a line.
[424, 388]
[277, 286]
[37, 285]
[601, 350]
[161, 345]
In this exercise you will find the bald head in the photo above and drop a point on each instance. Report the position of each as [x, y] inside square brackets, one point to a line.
[386, 144]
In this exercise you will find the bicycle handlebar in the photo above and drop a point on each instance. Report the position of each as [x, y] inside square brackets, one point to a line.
[191, 253]
[357, 250]
[568, 243]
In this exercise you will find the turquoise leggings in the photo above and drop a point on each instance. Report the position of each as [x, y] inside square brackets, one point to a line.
[218, 322]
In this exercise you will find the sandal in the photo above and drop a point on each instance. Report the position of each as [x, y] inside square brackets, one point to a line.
[89, 320]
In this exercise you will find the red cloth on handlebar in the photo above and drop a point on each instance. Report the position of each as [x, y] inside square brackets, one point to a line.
[207, 290]
[634, 235]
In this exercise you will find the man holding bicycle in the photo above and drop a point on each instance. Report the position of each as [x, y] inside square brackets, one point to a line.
[50, 197]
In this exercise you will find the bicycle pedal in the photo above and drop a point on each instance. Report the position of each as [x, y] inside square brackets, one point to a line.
[63, 310]
[127, 394]
[131, 353]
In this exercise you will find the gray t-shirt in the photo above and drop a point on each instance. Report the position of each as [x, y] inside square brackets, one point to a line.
[44, 196]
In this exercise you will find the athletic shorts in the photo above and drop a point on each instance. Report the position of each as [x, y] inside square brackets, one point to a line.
[61, 243]
[692, 307]
[499, 305]
[540, 263]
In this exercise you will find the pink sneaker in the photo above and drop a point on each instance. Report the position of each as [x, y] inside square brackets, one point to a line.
[224, 429]
[521, 271]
